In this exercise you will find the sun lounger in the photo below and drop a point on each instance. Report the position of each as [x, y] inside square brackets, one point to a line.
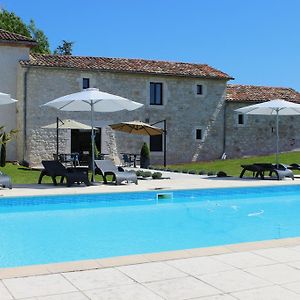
[295, 167]
[54, 168]
[106, 167]
[5, 181]
[259, 169]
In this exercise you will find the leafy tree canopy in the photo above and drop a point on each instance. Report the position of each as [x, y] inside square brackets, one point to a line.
[65, 49]
[38, 35]
[11, 22]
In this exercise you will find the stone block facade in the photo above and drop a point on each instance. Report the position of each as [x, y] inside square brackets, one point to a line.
[183, 109]
[257, 136]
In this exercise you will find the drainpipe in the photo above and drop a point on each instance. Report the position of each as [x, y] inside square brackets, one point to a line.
[25, 114]
[224, 128]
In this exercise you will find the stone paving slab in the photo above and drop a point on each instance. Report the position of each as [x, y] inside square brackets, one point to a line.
[212, 277]
[35, 286]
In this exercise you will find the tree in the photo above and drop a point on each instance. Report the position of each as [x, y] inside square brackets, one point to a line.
[65, 49]
[11, 22]
[145, 156]
[38, 35]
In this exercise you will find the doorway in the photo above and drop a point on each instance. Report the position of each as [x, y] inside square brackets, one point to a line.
[81, 143]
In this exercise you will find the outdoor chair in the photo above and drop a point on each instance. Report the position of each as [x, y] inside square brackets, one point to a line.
[259, 169]
[54, 168]
[128, 161]
[106, 167]
[295, 167]
[5, 181]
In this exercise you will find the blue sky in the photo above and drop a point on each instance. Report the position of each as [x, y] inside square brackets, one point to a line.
[257, 42]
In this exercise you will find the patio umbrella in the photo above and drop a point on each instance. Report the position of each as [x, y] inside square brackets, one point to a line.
[66, 124]
[6, 99]
[137, 127]
[141, 128]
[274, 107]
[93, 100]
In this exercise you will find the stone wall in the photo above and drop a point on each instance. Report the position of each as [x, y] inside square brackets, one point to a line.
[258, 135]
[183, 110]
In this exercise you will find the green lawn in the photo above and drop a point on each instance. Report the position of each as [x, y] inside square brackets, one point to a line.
[233, 166]
[21, 175]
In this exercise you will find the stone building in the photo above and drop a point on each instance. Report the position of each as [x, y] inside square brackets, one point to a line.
[256, 135]
[194, 99]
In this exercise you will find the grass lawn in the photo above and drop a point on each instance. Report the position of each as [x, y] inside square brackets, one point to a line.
[233, 166]
[21, 175]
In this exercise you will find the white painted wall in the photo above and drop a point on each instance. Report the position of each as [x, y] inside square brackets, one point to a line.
[9, 62]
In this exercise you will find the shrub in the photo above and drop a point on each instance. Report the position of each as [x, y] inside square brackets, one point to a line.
[211, 173]
[202, 172]
[221, 174]
[184, 171]
[192, 172]
[156, 175]
[24, 163]
[145, 156]
[139, 173]
[147, 174]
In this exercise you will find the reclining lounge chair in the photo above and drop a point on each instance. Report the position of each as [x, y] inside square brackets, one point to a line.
[106, 167]
[54, 168]
[5, 181]
[259, 169]
[295, 167]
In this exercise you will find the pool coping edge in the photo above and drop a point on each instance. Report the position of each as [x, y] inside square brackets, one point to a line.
[83, 265]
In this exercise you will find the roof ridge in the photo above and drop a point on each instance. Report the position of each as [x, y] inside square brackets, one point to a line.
[119, 58]
[20, 35]
[256, 93]
[11, 37]
[260, 86]
[129, 65]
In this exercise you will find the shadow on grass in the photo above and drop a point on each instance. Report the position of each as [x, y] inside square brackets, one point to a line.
[28, 169]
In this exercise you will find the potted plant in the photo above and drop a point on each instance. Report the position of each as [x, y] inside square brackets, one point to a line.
[145, 156]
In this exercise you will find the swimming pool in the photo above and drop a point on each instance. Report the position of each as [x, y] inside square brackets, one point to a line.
[37, 230]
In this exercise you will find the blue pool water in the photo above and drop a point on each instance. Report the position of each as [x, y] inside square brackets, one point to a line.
[37, 230]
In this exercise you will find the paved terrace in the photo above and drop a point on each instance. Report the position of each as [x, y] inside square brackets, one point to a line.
[257, 270]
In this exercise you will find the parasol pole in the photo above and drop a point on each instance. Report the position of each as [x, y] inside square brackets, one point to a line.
[57, 125]
[93, 141]
[277, 137]
[57, 136]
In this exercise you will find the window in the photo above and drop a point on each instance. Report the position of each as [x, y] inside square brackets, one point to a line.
[241, 120]
[199, 89]
[198, 134]
[156, 93]
[156, 143]
[85, 83]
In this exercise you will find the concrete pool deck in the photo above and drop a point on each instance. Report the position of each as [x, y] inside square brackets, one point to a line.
[176, 181]
[256, 270]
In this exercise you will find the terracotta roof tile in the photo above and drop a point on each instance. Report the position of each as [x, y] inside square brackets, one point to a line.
[6, 36]
[125, 65]
[252, 93]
